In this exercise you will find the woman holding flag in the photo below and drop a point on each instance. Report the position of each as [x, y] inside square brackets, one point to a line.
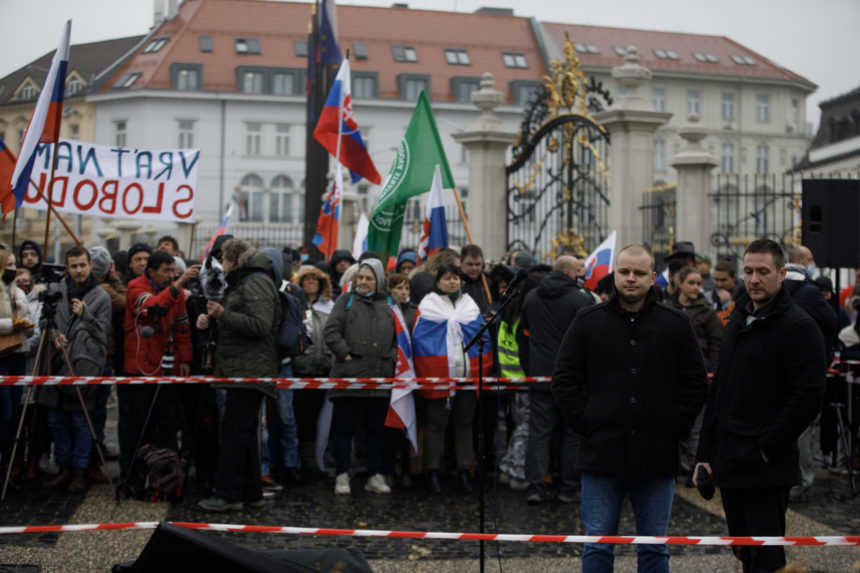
[447, 320]
[360, 331]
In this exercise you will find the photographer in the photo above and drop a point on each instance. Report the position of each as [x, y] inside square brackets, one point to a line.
[82, 319]
[157, 342]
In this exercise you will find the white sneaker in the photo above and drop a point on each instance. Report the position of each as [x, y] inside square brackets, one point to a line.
[376, 484]
[341, 484]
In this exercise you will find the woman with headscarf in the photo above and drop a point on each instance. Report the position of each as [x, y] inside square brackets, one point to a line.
[360, 332]
[447, 320]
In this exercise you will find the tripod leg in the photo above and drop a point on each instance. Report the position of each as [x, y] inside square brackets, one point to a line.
[86, 413]
[42, 340]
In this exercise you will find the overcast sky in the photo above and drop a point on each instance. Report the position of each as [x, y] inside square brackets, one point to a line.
[819, 39]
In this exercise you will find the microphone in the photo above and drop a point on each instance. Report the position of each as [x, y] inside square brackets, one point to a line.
[147, 332]
[514, 284]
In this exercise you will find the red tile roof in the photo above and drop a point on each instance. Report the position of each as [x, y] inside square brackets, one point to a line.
[606, 39]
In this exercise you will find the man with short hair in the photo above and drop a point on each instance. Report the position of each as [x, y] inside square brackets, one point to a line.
[547, 312]
[472, 269]
[169, 245]
[83, 322]
[30, 257]
[767, 390]
[138, 255]
[631, 379]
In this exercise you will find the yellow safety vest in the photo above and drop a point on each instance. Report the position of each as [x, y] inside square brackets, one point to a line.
[509, 358]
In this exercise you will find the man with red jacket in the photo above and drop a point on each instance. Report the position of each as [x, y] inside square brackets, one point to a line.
[156, 330]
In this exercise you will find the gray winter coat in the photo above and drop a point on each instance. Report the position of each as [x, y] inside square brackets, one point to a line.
[362, 327]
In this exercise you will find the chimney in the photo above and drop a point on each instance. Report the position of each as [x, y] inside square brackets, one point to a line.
[172, 9]
[157, 12]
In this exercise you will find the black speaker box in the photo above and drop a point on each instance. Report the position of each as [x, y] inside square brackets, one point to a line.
[831, 221]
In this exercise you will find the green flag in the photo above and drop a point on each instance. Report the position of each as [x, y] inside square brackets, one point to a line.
[411, 174]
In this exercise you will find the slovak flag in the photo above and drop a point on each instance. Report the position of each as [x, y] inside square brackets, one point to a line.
[338, 132]
[44, 125]
[7, 167]
[599, 263]
[328, 223]
[401, 410]
[225, 222]
[435, 233]
[359, 244]
[662, 280]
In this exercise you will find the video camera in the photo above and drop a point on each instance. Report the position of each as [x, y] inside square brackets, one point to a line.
[49, 273]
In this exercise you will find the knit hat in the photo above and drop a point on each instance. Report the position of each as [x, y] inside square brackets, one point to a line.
[138, 247]
[101, 260]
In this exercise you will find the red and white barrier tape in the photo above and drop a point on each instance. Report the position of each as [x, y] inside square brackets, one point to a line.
[490, 383]
[842, 540]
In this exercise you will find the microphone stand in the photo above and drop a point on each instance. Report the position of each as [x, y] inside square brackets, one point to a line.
[510, 293]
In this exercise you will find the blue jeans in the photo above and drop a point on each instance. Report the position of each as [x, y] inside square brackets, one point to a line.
[72, 439]
[601, 508]
[288, 431]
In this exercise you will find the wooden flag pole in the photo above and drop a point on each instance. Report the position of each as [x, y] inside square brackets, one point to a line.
[51, 209]
[469, 236]
[50, 197]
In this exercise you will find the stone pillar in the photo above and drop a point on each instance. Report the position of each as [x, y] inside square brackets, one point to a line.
[487, 140]
[350, 210]
[184, 235]
[632, 123]
[693, 207]
[126, 230]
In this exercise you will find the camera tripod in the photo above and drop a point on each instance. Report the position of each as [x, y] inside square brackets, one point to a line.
[45, 339]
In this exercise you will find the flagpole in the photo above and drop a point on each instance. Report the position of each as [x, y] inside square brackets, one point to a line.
[51, 182]
[14, 228]
[59, 217]
[469, 236]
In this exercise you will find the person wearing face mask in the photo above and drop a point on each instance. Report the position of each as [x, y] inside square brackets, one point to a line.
[360, 333]
[14, 317]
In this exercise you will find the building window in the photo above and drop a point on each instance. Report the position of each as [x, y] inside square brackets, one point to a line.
[282, 200]
[186, 79]
[186, 133]
[728, 107]
[154, 45]
[762, 159]
[514, 60]
[119, 132]
[762, 108]
[412, 85]
[658, 96]
[743, 60]
[364, 85]
[247, 46]
[359, 50]
[586, 48]
[301, 47]
[74, 131]
[727, 161]
[283, 84]
[694, 102]
[522, 91]
[252, 82]
[126, 80]
[457, 57]
[795, 114]
[282, 139]
[29, 91]
[659, 155]
[404, 54]
[251, 198]
[73, 86]
[252, 138]
[462, 88]
[205, 43]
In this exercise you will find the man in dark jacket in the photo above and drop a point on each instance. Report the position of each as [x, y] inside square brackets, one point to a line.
[340, 260]
[472, 269]
[767, 390]
[546, 315]
[630, 378]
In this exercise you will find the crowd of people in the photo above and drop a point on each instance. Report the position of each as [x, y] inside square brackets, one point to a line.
[626, 413]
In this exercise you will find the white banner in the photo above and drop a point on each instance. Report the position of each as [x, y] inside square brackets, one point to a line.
[111, 181]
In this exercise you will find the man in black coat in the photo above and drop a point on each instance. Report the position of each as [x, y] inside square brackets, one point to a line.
[631, 379]
[767, 390]
[547, 312]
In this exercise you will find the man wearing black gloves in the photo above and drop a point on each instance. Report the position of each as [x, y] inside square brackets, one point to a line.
[767, 390]
[631, 379]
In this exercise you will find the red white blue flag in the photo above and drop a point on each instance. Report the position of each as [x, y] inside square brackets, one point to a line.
[44, 126]
[338, 132]
[225, 222]
[328, 223]
[599, 263]
[7, 167]
[401, 410]
[435, 233]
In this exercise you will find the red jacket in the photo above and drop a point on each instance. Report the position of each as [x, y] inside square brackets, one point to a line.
[143, 355]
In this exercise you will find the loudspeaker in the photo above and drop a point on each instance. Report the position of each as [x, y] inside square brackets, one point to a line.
[831, 221]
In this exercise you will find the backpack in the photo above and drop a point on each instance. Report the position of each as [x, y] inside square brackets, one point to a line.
[157, 474]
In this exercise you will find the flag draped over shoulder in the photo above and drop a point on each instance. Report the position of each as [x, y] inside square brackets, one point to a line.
[441, 332]
[411, 174]
[434, 235]
[328, 223]
[401, 410]
[44, 126]
[599, 263]
[338, 131]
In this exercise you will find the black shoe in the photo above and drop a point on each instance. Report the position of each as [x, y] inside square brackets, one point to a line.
[433, 481]
[59, 480]
[292, 476]
[465, 481]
